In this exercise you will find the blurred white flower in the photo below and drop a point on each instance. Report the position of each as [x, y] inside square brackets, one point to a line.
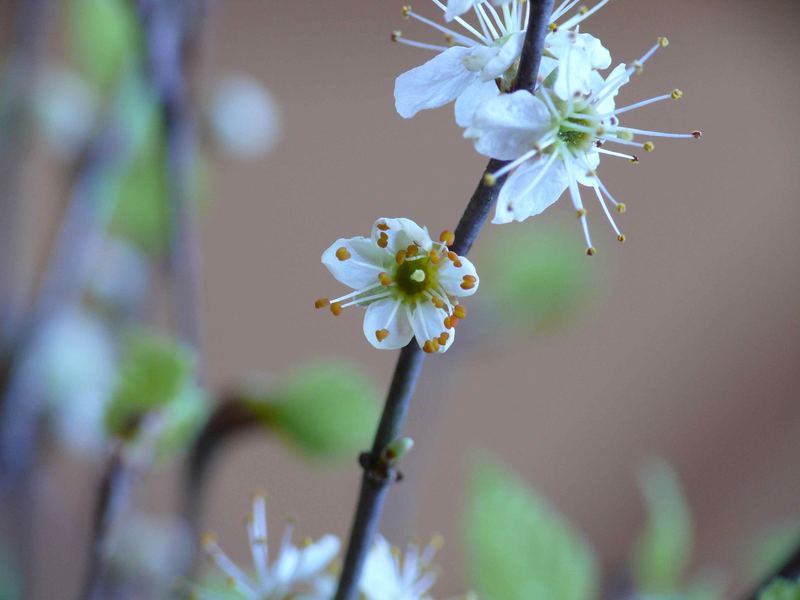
[65, 107]
[244, 117]
[390, 574]
[74, 362]
[120, 275]
[296, 573]
[555, 144]
[480, 61]
[408, 283]
[152, 547]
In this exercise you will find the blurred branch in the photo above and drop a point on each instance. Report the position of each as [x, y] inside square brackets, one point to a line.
[19, 79]
[378, 474]
[171, 32]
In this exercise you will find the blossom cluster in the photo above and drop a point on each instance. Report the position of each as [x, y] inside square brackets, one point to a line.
[309, 572]
[549, 139]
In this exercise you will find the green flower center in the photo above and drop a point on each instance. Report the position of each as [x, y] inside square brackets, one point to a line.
[415, 277]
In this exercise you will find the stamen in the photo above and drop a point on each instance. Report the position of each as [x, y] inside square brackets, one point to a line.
[383, 240]
[459, 311]
[620, 236]
[658, 133]
[381, 334]
[412, 250]
[488, 21]
[463, 23]
[447, 237]
[336, 309]
[407, 12]
[582, 16]
[619, 206]
[342, 254]
[443, 337]
[400, 257]
[379, 296]
[397, 36]
[631, 157]
[321, 303]
[385, 279]
[383, 226]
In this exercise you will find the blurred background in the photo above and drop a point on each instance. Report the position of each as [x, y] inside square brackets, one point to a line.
[573, 371]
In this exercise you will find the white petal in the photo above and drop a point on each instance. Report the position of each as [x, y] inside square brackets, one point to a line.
[316, 557]
[451, 277]
[456, 8]
[380, 579]
[427, 321]
[439, 81]
[530, 190]
[615, 80]
[509, 125]
[599, 56]
[574, 70]
[508, 53]
[473, 98]
[386, 314]
[402, 233]
[361, 269]
[590, 164]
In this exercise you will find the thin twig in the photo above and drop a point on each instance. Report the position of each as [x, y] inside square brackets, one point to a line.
[378, 474]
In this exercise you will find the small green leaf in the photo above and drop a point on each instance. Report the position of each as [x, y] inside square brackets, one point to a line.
[781, 589]
[539, 281]
[154, 370]
[772, 548]
[183, 418]
[518, 546]
[104, 36]
[327, 408]
[662, 551]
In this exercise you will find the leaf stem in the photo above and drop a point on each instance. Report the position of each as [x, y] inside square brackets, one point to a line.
[378, 475]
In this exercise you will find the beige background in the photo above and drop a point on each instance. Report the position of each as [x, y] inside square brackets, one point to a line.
[692, 353]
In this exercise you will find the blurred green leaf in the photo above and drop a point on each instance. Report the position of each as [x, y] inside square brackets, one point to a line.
[183, 418]
[327, 408]
[104, 36]
[519, 547]
[708, 586]
[781, 589]
[154, 370]
[10, 584]
[662, 551]
[538, 280]
[772, 548]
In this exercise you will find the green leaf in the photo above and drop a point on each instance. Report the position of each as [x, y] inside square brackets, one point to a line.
[154, 370]
[327, 408]
[518, 546]
[104, 37]
[538, 280]
[772, 548]
[183, 418]
[781, 589]
[662, 551]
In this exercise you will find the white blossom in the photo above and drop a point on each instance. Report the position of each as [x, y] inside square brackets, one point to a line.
[296, 573]
[555, 144]
[480, 60]
[390, 574]
[408, 283]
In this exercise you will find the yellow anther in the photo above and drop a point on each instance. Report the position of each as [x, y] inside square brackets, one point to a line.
[591, 251]
[489, 179]
[428, 348]
[591, 173]
[676, 94]
[437, 302]
[342, 253]
[383, 227]
[384, 279]
[412, 250]
[447, 237]
[208, 540]
[448, 39]
[454, 321]
[406, 11]
[580, 213]
[400, 257]
[383, 240]
[448, 322]
[697, 134]
[552, 27]
[469, 278]
[622, 208]
[459, 311]
[649, 146]
[583, 10]
[452, 256]
[621, 237]
[307, 541]
[443, 337]
[634, 160]
[638, 67]
[381, 334]
[467, 285]
[336, 308]
[321, 303]
[663, 42]
[434, 256]
[437, 541]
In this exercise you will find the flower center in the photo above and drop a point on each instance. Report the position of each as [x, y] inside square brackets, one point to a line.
[414, 277]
